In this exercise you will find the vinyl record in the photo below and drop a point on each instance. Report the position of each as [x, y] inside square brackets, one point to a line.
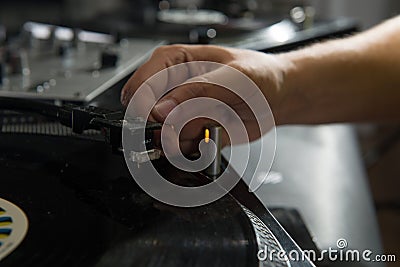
[85, 210]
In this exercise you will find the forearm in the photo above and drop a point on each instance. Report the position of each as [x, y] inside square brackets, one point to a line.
[352, 79]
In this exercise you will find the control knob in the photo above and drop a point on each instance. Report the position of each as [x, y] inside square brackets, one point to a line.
[109, 59]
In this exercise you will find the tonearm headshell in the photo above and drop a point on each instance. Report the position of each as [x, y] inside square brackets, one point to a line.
[82, 118]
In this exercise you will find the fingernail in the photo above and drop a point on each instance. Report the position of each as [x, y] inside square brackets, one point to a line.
[164, 107]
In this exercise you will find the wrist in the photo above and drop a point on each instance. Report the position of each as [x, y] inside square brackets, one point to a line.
[288, 99]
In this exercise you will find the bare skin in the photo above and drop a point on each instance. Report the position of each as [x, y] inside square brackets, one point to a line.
[345, 80]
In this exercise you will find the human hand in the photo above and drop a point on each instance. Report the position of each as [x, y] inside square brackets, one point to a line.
[266, 71]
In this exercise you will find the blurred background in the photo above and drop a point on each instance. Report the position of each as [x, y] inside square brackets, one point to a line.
[13, 13]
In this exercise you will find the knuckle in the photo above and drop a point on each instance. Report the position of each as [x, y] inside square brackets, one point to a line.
[168, 49]
[181, 53]
[237, 66]
[159, 50]
[173, 54]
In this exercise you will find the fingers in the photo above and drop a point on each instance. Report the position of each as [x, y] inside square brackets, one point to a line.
[167, 56]
[200, 96]
[212, 83]
[176, 97]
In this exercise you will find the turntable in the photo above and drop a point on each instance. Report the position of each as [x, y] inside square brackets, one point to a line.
[53, 62]
[67, 198]
[269, 26]
[78, 206]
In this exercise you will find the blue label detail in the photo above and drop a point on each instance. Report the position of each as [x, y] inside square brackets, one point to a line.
[5, 231]
[5, 219]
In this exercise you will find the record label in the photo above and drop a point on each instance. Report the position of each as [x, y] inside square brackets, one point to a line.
[13, 227]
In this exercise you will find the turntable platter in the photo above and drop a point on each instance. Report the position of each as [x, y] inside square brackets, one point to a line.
[85, 210]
